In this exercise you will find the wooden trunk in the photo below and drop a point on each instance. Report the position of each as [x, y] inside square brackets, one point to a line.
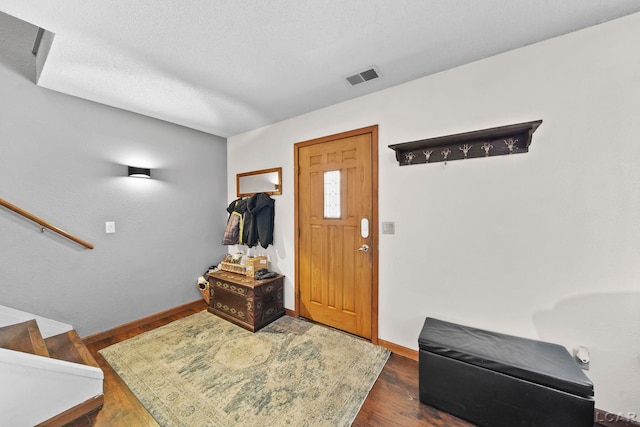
[249, 303]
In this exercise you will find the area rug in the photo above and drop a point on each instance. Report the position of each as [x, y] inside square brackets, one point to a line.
[205, 371]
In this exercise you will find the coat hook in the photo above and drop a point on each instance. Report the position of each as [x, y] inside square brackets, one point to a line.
[42, 229]
[445, 153]
[465, 149]
[511, 144]
[409, 156]
[486, 147]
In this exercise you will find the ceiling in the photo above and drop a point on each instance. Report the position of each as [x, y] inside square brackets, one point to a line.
[229, 66]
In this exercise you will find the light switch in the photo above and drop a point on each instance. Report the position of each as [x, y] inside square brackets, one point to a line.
[388, 228]
[109, 227]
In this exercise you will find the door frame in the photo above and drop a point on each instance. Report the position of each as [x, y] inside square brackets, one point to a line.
[373, 130]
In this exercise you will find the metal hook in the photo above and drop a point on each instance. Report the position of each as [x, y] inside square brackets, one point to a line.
[445, 153]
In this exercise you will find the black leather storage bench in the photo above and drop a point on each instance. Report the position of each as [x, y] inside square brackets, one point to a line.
[497, 380]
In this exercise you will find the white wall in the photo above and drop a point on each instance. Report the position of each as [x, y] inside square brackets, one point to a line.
[543, 245]
[64, 159]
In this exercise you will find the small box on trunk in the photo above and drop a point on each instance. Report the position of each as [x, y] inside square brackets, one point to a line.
[256, 264]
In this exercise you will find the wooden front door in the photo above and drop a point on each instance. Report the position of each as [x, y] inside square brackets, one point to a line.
[336, 207]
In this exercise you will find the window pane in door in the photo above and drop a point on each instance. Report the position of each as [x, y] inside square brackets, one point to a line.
[332, 194]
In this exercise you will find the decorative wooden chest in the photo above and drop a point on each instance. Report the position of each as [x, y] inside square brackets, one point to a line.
[249, 303]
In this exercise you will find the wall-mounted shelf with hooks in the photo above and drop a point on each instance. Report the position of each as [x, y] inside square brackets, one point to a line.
[511, 139]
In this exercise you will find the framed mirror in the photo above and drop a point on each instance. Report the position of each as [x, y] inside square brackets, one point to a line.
[267, 181]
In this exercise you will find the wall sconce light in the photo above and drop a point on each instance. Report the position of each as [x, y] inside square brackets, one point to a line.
[139, 172]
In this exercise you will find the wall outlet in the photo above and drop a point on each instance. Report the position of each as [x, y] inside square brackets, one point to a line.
[109, 227]
[582, 357]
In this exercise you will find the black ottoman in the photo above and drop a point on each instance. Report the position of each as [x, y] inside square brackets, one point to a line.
[497, 380]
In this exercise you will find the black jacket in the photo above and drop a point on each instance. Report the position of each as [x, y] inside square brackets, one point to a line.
[258, 224]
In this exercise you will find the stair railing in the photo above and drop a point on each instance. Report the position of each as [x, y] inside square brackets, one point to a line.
[45, 224]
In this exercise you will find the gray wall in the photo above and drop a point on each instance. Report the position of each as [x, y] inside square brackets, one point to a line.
[64, 159]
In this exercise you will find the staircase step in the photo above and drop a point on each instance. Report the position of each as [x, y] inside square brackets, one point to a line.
[68, 346]
[24, 337]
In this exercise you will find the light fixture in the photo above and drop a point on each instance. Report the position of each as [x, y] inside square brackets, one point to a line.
[139, 172]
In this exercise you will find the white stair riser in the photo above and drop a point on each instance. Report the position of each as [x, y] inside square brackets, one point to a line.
[48, 327]
[36, 388]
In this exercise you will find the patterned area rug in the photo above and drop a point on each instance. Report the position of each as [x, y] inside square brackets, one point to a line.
[205, 371]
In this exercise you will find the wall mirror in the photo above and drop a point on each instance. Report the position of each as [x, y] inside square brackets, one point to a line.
[267, 181]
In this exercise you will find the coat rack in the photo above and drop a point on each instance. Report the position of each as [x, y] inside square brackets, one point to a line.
[511, 139]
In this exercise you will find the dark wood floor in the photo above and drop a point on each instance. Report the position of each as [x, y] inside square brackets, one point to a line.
[392, 401]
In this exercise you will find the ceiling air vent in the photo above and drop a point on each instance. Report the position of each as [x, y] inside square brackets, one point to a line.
[363, 76]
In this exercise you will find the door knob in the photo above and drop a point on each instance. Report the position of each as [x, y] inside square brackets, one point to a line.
[363, 248]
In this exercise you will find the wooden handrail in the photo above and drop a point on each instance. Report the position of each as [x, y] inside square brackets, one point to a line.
[45, 224]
